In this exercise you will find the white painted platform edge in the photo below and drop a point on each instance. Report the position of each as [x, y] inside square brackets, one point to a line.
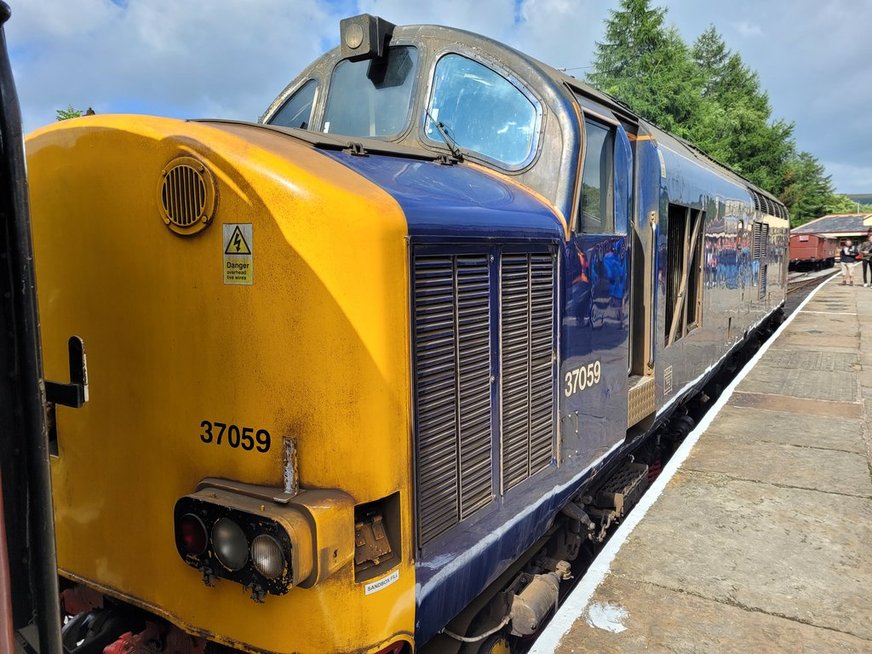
[576, 604]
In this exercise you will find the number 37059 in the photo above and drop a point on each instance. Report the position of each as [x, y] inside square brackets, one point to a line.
[577, 379]
[248, 438]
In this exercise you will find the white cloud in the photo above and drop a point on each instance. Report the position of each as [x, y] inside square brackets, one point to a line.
[747, 29]
[232, 57]
[161, 56]
[561, 33]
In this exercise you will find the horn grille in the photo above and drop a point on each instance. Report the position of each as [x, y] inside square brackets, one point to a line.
[186, 196]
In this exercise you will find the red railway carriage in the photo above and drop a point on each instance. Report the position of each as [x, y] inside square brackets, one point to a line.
[812, 251]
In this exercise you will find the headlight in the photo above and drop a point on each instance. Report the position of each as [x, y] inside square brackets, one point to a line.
[267, 556]
[258, 537]
[230, 543]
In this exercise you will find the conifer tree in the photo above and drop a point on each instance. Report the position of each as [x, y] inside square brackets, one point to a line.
[709, 96]
[69, 112]
[646, 64]
[808, 190]
[727, 80]
[735, 128]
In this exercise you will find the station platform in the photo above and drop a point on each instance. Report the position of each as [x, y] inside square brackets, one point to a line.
[757, 537]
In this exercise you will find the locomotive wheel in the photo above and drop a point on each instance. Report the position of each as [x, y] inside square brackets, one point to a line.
[496, 644]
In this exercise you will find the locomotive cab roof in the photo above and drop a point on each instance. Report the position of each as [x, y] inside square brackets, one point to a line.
[434, 92]
[442, 92]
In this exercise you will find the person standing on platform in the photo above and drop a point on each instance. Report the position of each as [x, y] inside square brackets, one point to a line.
[847, 260]
[866, 251]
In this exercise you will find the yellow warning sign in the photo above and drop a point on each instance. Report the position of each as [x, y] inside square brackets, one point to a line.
[238, 254]
[237, 243]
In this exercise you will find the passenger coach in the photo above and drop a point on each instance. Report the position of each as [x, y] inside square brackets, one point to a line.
[366, 375]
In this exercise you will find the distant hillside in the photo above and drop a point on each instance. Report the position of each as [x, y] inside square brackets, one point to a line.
[862, 198]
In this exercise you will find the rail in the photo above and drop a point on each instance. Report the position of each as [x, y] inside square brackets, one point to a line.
[799, 281]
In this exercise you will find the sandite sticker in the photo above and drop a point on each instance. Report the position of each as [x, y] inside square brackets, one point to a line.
[238, 254]
[382, 583]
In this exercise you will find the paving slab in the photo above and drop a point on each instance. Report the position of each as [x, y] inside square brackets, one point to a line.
[762, 540]
[800, 554]
[832, 471]
[833, 342]
[631, 616]
[833, 324]
[798, 405]
[789, 428]
[803, 359]
[804, 384]
[840, 317]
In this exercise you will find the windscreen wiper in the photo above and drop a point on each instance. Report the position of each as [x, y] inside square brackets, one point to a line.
[446, 136]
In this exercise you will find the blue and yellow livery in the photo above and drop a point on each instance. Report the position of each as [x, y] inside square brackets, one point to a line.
[356, 371]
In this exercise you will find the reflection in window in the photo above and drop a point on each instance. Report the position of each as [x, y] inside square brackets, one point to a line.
[372, 97]
[481, 111]
[597, 196]
[297, 110]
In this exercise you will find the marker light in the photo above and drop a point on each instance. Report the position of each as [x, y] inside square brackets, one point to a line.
[191, 535]
[261, 542]
[230, 544]
[267, 556]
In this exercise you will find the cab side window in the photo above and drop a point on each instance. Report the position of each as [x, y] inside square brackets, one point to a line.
[597, 213]
[297, 110]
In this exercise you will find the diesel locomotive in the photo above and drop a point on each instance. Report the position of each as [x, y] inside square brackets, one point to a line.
[367, 374]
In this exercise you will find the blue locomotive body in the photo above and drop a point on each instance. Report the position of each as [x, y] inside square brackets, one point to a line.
[655, 264]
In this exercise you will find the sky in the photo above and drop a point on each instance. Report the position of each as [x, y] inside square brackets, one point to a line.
[230, 58]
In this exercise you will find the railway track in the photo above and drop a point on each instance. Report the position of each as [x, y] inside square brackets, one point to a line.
[798, 281]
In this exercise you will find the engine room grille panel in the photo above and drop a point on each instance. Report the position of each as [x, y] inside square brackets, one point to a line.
[474, 383]
[452, 389]
[470, 440]
[527, 365]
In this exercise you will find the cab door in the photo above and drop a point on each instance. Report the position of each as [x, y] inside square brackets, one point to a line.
[596, 319]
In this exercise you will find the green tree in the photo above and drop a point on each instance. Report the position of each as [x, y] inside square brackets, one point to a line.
[648, 66]
[843, 204]
[753, 147]
[727, 80]
[72, 112]
[808, 190]
[69, 112]
[737, 128]
[708, 95]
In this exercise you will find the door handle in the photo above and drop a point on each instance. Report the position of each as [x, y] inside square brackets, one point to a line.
[74, 394]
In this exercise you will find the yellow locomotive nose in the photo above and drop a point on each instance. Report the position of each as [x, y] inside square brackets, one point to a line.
[236, 291]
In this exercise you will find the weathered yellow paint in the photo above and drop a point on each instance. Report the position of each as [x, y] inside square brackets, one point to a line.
[316, 349]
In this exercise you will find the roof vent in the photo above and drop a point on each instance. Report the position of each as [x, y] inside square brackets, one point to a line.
[186, 196]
